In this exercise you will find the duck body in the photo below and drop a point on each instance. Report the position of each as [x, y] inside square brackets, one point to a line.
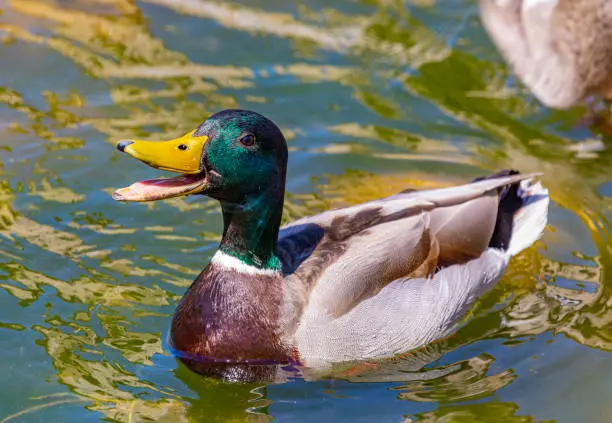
[363, 282]
[560, 49]
[358, 283]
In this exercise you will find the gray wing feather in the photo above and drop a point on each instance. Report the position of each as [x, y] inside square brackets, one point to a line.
[411, 203]
[341, 257]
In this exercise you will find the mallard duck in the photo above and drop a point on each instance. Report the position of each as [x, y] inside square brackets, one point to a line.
[362, 282]
[560, 49]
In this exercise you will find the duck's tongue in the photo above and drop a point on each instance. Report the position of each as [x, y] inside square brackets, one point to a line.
[158, 189]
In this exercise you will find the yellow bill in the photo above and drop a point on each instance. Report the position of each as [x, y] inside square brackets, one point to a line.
[181, 155]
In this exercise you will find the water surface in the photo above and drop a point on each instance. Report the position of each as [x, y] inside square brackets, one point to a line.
[374, 96]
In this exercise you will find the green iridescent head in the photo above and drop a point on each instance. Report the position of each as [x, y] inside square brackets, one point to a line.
[233, 156]
[246, 154]
[238, 157]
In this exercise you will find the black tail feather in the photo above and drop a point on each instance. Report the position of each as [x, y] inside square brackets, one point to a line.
[509, 204]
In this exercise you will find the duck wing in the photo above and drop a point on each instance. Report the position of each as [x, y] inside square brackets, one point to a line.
[410, 312]
[336, 259]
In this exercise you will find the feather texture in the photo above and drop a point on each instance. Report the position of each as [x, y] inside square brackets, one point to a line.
[394, 274]
[404, 315]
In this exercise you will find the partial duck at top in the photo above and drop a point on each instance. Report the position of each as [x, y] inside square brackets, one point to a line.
[363, 282]
[560, 49]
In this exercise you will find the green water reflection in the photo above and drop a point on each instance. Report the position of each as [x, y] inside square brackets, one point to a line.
[374, 96]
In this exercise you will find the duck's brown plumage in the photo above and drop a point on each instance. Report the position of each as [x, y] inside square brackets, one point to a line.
[560, 49]
[228, 315]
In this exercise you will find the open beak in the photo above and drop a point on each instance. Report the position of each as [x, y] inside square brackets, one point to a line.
[181, 155]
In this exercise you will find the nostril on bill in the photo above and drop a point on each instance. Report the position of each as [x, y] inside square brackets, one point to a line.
[122, 144]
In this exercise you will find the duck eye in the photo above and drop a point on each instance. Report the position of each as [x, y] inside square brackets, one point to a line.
[182, 147]
[247, 140]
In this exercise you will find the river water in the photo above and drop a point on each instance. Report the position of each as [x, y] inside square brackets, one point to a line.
[374, 96]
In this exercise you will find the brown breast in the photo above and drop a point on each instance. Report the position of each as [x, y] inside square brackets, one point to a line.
[230, 316]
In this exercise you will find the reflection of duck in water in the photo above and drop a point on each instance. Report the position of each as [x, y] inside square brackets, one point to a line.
[560, 49]
[363, 282]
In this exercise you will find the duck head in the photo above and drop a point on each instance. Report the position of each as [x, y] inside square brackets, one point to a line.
[233, 156]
